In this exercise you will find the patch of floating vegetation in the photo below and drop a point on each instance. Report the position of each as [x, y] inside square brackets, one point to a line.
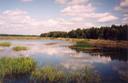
[5, 44]
[20, 48]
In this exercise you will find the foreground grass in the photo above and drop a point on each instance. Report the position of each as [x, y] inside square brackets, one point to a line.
[11, 68]
[48, 75]
[5, 44]
[16, 66]
[20, 48]
[52, 75]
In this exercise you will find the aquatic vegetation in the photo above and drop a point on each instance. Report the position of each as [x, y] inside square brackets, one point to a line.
[5, 44]
[16, 66]
[52, 75]
[83, 45]
[86, 75]
[20, 48]
[48, 74]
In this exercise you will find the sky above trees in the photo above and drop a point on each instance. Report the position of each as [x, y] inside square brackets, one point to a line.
[37, 16]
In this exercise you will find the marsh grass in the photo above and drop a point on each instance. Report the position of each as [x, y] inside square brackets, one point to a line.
[48, 75]
[84, 45]
[11, 68]
[5, 44]
[16, 66]
[52, 75]
[20, 48]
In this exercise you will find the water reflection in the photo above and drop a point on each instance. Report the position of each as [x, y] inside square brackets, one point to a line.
[56, 53]
[113, 53]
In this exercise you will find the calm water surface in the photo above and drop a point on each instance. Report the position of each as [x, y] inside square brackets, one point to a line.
[111, 65]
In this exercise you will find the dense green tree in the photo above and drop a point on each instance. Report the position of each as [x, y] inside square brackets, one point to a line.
[55, 34]
[113, 32]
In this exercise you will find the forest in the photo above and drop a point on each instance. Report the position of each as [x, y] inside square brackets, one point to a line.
[114, 32]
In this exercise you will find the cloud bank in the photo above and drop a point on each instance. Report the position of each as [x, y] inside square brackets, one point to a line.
[19, 22]
[73, 14]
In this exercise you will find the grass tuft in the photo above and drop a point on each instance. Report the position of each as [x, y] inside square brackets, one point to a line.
[20, 48]
[48, 74]
[16, 66]
[52, 75]
[5, 44]
[84, 45]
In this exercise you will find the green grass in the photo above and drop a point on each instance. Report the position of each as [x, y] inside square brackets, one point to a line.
[83, 44]
[52, 75]
[5, 44]
[16, 66]
[48, 75]
[20, 48]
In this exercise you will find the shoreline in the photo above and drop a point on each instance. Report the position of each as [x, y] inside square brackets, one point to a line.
[93, 42]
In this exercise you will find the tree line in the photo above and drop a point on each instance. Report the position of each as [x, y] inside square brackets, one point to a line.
[114, 32]
[18, 35]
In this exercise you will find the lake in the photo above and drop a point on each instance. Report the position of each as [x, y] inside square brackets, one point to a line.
[112, 66]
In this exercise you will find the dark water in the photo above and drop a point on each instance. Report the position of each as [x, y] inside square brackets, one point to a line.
[112, 65]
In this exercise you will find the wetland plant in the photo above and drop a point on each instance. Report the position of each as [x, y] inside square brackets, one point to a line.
[5, 44]
[52, 75]
[24, 66]
[20, 48]
[48, 75]
[16, 66]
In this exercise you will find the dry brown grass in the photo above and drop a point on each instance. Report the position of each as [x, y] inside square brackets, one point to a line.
[94, 42]
[109, 43]
[100, 42]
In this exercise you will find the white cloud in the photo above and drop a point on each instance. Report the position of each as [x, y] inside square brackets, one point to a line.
[71, 2]
[62, 2]
[65, 25]
[106, 17]
[124, 3]
[83, 10]
[26, 0]
[77, 2]
[125, 19]
[123, 7]
[78, 10]
[19, 22]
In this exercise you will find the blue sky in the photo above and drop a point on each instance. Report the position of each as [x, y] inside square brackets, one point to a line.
[37, 16]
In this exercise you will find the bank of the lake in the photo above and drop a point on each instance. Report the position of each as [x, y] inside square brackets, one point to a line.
[98, 42]
[92, 42]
